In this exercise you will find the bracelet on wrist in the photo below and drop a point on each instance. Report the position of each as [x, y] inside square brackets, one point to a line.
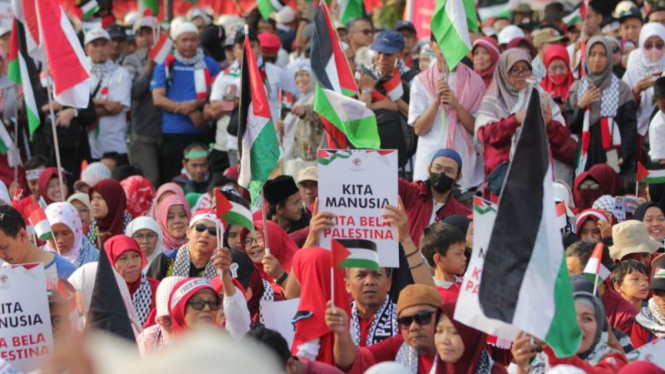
[422, 262]
[412, 253]
[281, 279]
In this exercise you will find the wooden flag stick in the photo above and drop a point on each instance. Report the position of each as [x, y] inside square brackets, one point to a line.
[49, 87]
[332, 287]
[265, 224]
[16, 152]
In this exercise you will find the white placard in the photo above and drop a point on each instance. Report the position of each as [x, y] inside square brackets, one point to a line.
[277, 315]
[355, 185]
[6, 14]
[651, 352]
[26, 338]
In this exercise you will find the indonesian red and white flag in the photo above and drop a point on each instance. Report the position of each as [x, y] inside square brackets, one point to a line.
[161, 49]
[394, 87]
[67, 63]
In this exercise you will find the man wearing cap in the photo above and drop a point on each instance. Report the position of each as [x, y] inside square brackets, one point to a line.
[542, 40]
[361, 33]
[118, 42]
[180, 87]
[414, 348]
[411, 50]
[630, 20]
[522, 13]
[111, 87]
[509, 33]
[195, 176]
[285, 205]
[387, 62]
[146, 121]
[308, 184]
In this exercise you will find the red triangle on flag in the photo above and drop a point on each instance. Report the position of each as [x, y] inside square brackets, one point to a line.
[222, 204]
[339, 253]
[642, 172]
[560, 209]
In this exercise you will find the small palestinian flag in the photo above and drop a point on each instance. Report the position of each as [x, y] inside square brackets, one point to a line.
[267, 7]
[41, 225]
[355, 253]
[650, 176]
[89, 8]
[594, 269]
[233, 209]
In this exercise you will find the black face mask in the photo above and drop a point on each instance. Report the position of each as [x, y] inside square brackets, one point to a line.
[440, 182]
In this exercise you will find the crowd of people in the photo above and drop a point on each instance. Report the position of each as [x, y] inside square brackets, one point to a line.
[142, 163]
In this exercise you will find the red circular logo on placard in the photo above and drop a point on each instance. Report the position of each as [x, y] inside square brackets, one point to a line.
[4, 278]
[357, 162]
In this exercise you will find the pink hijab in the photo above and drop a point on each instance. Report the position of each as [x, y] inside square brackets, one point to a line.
[166, 187]
[161, 216]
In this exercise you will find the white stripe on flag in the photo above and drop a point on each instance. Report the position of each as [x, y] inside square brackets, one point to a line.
[241, 209]
[455, 11]
[363, 254]
[200, 84]
[79, 95]
[90, 5]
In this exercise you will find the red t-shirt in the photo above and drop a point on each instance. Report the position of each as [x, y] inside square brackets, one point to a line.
[364, 326]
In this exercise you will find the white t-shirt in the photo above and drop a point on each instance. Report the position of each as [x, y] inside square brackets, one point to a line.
[228, 77]
[111, 132]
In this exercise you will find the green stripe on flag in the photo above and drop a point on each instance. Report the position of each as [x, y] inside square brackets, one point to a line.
[350, 9]
[564, 335]
[655, 177]
[451, 29]
[360, 263]
[14, 71]
[264, 154]
[235, 218]
[89, 9]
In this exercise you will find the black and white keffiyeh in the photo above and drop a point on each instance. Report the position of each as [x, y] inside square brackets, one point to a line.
[609, 100]
[268, 295]
[652, 318]
[384, 324]
[183, 263]
[142, 299]
[198, 60]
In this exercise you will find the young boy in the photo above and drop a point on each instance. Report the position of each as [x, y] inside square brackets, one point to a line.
[630, 280]
[657, 126]
[443, 246]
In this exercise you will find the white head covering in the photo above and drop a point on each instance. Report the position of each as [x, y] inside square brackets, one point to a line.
[66, 214]
[147, 223]
[164, 290]
[509, 33]
[182, 28]
[80, 196]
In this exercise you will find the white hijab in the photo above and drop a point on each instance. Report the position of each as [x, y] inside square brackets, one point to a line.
[147, 223]
[640, 66]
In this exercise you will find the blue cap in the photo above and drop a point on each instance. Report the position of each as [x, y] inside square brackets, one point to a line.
[450, 153]
[404, 25]
[388, 42]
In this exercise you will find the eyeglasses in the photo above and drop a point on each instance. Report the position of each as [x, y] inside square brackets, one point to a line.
[199, 305]
[366, 31]
[650, 46]
[516, 73]
[211, 229]
[142, 237]
[249, 241]
[422, 318]
[83, 210]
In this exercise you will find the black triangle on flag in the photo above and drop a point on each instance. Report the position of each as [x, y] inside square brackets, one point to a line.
[107, 309]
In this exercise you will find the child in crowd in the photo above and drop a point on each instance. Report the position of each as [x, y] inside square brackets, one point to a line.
[443, 246]
[631, 281]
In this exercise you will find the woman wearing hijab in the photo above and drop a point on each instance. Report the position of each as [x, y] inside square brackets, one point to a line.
[69, 240]
[49, 186]
[593, 224]
[485, 57]
[139, 193]
[525, 45]
[193, 303]
[596, 354]
[148, 235]
[160, 334]
[599, 180]
[173, 214]
[128, 260]
[558, 80]
[609, 136]
[81, 202]
[163, 192]
[644, 65]
[654, 219]
[650, 321]
[108, 203]
[502, 113]
[460, 349]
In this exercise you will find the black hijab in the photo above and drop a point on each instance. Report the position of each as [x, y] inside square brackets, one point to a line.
[641, 210]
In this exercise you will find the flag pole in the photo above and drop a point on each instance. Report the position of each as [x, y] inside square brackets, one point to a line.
[595, 283]
[55, 133]
[220, 273]
[265, 224]
[16, 152]
[332, 288]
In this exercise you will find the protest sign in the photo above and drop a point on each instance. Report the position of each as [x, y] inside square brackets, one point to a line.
[6, 15]
[355, 185]
[468, 309]
[650, 352]
[278, 316]
[25, 323]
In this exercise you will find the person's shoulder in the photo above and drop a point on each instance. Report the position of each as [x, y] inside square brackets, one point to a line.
[63, 266]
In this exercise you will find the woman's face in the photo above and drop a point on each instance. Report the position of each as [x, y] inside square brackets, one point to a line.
[557, 68]
[98, 205]
[481, 58]
[254, 246]
[448, 342]
[147, 240]
[518, 75]
[586, 318]
[128, 266]
[597, 58]
[84, 212]
[616, 54]
[205, 316]
[53, 190]
[234, 237]
[654, 48]
[64, 237]
[654, 220]
[424, 61]
[590, 230]
[176, 221]
[303, 82]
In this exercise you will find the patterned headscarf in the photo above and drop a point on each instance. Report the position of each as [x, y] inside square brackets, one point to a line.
[140, 193]
[161, 191]
[162, 213]
[501, 96]
[66, 214]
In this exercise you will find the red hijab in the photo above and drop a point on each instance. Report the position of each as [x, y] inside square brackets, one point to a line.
[44, 178]
[311, 267]
[116, 202]
[605, 176]
[182, 292]
[280, 243]
[140, 193]
[475, 342]
[557, 85]
[116, 247]
[494, 51]
[517, 43]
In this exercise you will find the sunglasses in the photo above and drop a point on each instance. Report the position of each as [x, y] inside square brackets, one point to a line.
[422, 318]
[199, 305]
[201, 228]
[650, 46]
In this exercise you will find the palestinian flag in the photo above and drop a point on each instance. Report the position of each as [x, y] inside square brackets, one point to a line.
[450, 27]
[148, 8]
[68, 64]
[350, 9]
[350, 116]
[327, 156]
[233, 209]
[574, 18]
[257, 141]
[394, 87]
[355, 253]
[524, 263]
[25, 11]
[89, 8]
[41, 225]
[650, 176]
[6, 141]
[267, 7]
[495, 8]
[595, 270]
[22, 70]
[585, 143]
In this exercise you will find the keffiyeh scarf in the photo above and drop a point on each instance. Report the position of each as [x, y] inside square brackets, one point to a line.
[198, 60]
[384, 324]
[268, 295]
[142, 299]
[485, 365]
[652, 319]
[408, 357]
[102, 74]
[183, 263]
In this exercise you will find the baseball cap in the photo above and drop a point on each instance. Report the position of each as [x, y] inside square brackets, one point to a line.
[94, 34]
[404, 25]
[388, 42]
[509, 33]
[547, 35]
[116, 31]
[625, 10]
[523, 8]
[308, 174]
